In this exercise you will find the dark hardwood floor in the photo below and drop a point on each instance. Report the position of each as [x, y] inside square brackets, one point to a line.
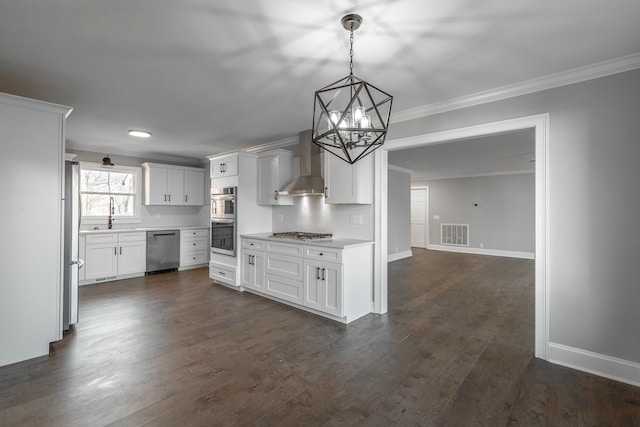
[455, 349]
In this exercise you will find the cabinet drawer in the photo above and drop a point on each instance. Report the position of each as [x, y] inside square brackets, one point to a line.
[222, 273]
[323, 254]
[92, 239]
[256, 245]
[284, 288]
[191, 245]
[186, 234]
[284, 266]
[133, 237]
[193, 258]
[291, 249]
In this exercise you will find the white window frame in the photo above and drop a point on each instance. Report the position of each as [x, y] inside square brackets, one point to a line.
[137, 202]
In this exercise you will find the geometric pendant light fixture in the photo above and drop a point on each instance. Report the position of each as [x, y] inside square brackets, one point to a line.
[350, 116]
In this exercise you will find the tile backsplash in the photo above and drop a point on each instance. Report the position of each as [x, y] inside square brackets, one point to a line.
[310, 213]
[163, 216]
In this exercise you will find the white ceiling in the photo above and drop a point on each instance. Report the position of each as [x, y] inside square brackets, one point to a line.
[207, 77]
[501, 154]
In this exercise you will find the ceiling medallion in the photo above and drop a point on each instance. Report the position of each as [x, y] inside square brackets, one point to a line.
[350, 116]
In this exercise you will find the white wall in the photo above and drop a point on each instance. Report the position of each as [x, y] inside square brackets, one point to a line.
[593, 208]
[504, 219]
[399, 214]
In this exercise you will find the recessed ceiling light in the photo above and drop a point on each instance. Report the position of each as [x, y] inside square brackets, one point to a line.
[140, 133]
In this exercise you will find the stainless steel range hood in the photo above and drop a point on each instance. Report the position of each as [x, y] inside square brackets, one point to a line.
[309, 182]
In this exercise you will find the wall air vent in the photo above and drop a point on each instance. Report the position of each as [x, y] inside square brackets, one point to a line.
[454, 234]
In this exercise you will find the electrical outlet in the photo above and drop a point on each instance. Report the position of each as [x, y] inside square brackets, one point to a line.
[356, 219]
[280, 217]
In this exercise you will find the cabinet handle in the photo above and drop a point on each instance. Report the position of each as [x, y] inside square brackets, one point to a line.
[186, 198]
[276, 196]
[120, 250]
[165, 197]
[169, 197]
[115, 250]
[221, 273]
[323, 274]
[326, 192]
[221, 167]
[318, 273]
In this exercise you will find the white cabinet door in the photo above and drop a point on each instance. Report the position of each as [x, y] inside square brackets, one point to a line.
[312, 285]
[101, 261]
[275, 170]
[224, 166]
[348, 184]
[286, 289]
[132, 257]
[155, 186]
[193, 188]
[175, 187]
[331, 297]
[253, 276]
[323, 287]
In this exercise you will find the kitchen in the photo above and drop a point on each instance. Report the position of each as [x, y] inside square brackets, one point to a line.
[235, 81]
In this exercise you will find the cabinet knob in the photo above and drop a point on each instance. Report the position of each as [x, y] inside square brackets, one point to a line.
[321, 254]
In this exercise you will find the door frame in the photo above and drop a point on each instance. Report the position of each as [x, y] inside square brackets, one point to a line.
[540, 124]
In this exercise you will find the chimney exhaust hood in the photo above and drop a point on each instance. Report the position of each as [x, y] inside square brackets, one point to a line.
[309, 182]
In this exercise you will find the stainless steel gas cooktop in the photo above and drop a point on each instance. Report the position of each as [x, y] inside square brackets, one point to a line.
[302, 235]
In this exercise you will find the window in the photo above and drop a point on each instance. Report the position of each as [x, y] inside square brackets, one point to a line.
[101, 188]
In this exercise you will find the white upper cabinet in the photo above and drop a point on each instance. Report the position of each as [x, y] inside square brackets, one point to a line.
[224, 166]
[275, 170]
[194, 187]
[348, 184]
[173, 185]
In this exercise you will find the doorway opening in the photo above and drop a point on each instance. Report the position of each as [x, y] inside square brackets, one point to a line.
[539, 124]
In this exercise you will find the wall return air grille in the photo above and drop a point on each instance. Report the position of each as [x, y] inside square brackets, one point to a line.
[454, 234]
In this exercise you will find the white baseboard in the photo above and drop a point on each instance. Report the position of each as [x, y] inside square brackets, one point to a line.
[399, 255]
[479, 251]
[595, 363]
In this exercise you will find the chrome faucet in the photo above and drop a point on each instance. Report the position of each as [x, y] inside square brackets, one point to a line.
[111, 212]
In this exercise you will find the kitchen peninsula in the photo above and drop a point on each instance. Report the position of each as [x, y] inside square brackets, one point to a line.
[326, 276]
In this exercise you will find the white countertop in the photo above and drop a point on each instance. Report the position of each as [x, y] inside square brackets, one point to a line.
[129, 230]
[337, 242]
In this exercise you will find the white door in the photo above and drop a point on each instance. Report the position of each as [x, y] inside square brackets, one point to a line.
[419, 224]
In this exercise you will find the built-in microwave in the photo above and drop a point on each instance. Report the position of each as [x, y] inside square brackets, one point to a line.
[223, 236]
[223, 203]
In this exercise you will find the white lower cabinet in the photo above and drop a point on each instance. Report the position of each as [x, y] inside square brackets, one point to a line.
[333, 282]
[222, 273]
[253, 276]
[194, 248]
[323, 287]
[109, 256]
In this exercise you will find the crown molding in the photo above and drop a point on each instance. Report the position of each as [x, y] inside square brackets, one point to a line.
[400, 169]
[288, 142]
[576, 75]
[145, 156]
[35, 104]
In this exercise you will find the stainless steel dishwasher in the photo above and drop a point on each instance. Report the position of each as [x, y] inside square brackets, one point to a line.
[163, 250]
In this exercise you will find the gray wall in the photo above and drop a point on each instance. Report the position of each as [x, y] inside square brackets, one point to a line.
[399, 212]
[594, 242]
[504, 218]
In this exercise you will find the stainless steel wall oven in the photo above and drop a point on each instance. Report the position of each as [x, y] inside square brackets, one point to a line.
[223, 203]
[223, 236]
